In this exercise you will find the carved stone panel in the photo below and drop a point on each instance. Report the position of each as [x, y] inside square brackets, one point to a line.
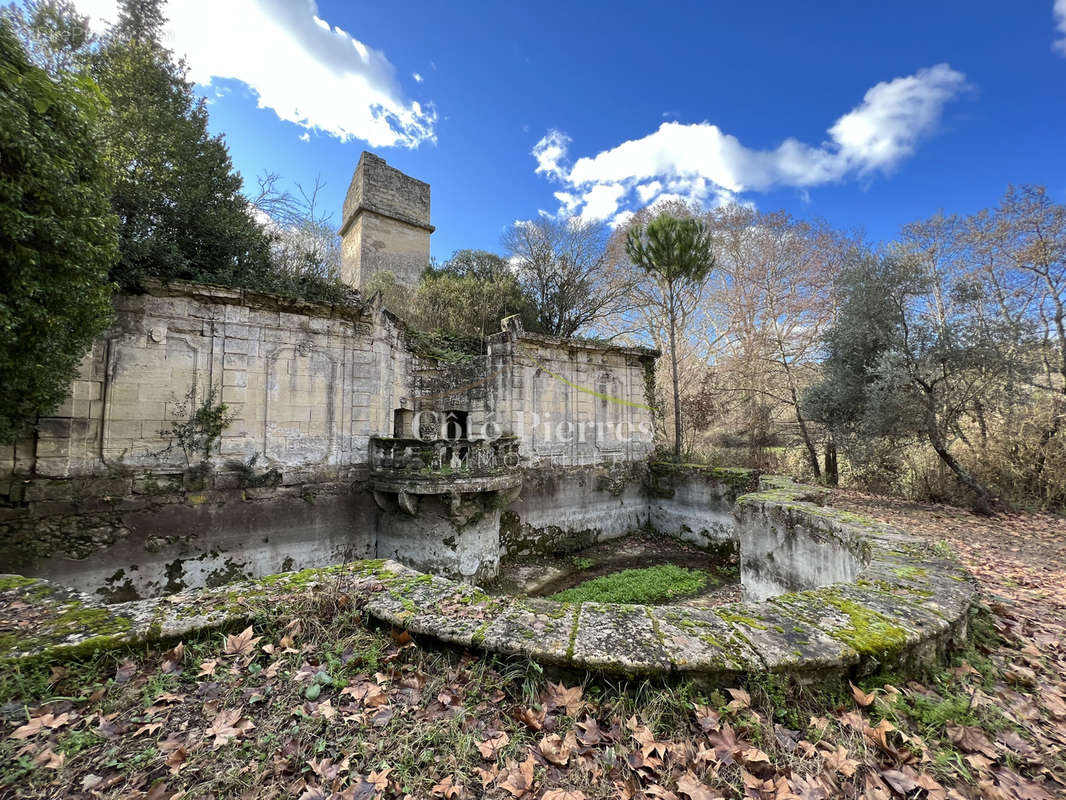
[300, 403]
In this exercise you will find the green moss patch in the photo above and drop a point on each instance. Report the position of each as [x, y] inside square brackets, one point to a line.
[649, 585]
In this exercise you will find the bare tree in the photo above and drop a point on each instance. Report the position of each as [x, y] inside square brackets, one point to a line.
[562, 264]
[774, 302]
[304, 238]
[1019, 249]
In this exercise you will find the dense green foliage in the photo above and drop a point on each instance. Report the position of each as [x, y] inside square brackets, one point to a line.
[179, 202]
[649, 585]
[470, 293]
[181, 213]
[901, 365]
[464, 298]
[57, 234]
[56, 37]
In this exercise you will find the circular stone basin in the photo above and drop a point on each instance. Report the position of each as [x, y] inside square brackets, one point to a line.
[638, 568]
[826, 592]
[902, 603]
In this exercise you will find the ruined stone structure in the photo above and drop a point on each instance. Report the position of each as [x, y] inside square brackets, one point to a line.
[344, 437]
[384, 225]
[346, 441]
[878, 598]
[353, 452]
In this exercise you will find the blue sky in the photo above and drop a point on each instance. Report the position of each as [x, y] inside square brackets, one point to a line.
[867, 114]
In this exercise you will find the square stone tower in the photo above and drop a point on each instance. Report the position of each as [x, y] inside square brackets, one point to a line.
[385, 224]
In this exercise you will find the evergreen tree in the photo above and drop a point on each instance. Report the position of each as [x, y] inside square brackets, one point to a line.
[57, 234]
[900, 365]
[676, 254]
[179, 203]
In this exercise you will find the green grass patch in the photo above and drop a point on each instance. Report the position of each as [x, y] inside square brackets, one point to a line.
[648, 585]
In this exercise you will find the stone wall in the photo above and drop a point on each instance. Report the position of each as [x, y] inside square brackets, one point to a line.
[571, 401]
[435, 541]
[307, 384]
[162, 544]
[564, 510]
[789, 544]
[101, 498]
[695, 503]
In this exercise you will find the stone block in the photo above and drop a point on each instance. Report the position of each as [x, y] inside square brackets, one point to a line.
[244, 346]
[618, 639]
[293, 322]
[261, 318]
[276, 335]
[125, 429]
[52, 467]
[235, 313]
[234, 331]
[533, 628]
[700, 642]
[87, 390]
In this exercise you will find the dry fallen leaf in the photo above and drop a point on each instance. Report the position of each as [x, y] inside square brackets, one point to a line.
[690, 786]
[861, 697]
[228, 725]
[519, 780]
[241, 644]
[563, 794]
[493, 744]
[45, 722]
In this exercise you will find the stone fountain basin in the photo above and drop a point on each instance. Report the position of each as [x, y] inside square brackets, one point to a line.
[906, 603]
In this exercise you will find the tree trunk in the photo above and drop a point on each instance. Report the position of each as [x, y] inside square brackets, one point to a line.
[983, 502]
[812, 451]
[677, 386]
[832, 472]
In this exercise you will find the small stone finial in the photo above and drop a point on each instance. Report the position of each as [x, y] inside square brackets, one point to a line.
[512, 324]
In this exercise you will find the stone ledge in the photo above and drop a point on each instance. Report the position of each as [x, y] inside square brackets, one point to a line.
[908, 603]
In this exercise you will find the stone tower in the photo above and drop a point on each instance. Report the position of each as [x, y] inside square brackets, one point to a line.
[385, 224]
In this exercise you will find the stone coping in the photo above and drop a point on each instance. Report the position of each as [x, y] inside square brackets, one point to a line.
[910, 601]
[216, 294]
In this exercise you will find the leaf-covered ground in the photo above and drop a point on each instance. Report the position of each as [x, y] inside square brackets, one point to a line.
[311, 703]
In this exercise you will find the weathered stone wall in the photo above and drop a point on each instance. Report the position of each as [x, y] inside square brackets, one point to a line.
[306, 384]
[385, 224]
[695, 503]
[788, 546]
[435, 542]
[571, 401]
[564, 510]
[101, 496]
[208, 538]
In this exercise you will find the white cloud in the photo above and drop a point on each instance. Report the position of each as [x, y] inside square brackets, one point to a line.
[306, 137]
[1059, 12]
[601, 201]
[548, 152]
[649, 191]
[699, 162]
[304, 69]
[417, 76]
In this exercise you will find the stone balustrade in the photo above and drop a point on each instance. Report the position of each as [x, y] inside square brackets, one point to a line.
[442, 458]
